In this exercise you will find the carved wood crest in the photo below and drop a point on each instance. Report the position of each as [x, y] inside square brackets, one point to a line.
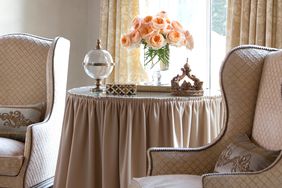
[187, 88]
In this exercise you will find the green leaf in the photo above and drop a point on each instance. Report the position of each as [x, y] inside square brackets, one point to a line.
[161, 54]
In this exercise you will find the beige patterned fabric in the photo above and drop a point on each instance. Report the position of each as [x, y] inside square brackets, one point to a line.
[242, 155]
[254, 22]
[270, 177]
[11, 156]
[44, 138]
[23, 69]
[268, 112]
[240, 78]
[10, 165]
[29, 68]
[116, 17]
[15, 119]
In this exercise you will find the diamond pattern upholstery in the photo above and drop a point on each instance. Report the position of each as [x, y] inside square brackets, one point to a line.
[21, 67]
[251, 78]
[268, 112]
[33, 70]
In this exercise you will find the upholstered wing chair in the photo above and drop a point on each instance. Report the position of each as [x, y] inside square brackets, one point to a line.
[251, 80]
[33, 75]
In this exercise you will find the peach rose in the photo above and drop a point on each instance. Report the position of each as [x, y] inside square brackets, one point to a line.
[159, 23]
[187, 34]
[146, 31]
[177, 26]
[135, 37]
[175, 38]
[125, 40]
[189, 42]
[147, 20]
[166, 30]
[157, 41]
[136, 22]
[167, 20]
[157, 32]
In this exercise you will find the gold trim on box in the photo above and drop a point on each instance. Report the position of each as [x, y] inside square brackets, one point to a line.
[121, 89]
[188, 92]
[152, 88]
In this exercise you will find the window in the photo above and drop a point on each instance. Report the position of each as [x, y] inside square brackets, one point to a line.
[206, 21]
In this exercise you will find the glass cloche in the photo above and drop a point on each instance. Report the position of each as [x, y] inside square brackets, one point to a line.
[98, 64]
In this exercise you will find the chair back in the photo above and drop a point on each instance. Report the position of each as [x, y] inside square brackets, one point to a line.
[23, 60]
[251, 79]
[267, 128]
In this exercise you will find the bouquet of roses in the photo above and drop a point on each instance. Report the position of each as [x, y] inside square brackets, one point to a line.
[156, 33]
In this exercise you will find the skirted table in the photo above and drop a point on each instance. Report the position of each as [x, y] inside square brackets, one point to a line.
[105, 138]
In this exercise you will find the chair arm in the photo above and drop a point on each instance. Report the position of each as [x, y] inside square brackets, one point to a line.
[43, 151]
[269, 177]
[181, 160]
[44, 138]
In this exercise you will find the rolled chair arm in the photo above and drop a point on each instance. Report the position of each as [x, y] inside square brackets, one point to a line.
[43, 138]
[181, 161]
[43, 152]
[269, 177]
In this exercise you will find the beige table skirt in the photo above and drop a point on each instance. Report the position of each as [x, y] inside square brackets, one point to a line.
[105, 139]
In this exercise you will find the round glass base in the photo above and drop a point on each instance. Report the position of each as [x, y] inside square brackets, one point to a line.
[99, 89]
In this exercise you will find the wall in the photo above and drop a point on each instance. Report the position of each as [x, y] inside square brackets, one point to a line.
[76, 20]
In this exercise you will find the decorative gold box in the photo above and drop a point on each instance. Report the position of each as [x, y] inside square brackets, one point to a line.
[121, 89]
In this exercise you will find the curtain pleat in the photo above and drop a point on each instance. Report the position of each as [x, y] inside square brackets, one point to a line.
[116, 17]
[244, 35]
[254, 22]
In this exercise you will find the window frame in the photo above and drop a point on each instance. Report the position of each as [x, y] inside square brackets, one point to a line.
[208, 52]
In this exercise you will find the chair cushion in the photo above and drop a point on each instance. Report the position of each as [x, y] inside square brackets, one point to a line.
[167, 181]
[11, 156]
[244, 156]
[15, 119]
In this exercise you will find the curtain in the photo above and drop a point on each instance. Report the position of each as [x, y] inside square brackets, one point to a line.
[116, 17]
[256, 22]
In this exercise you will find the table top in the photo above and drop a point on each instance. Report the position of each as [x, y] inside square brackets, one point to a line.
[85, 92]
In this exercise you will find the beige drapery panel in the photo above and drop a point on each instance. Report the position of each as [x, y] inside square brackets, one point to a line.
[254, 22]
[115, 19]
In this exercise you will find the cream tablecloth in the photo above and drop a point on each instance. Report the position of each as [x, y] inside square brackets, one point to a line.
[105, 138]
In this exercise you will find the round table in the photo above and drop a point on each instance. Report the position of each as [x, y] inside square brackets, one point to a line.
[105, 137]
